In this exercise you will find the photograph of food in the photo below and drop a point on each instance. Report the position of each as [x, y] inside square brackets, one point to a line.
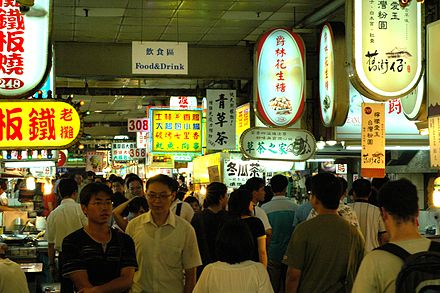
[281, 105]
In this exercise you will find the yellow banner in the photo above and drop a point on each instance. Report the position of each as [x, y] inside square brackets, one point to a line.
[38, 125]
[373, 140]
[243, 120]
[434, 141]
[176, 130]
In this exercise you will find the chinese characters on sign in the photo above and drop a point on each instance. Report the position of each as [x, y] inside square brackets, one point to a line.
[373, 140]
[434, 140]
[142, 140]
[183, 102]
[121, 151]
[277, 144]
[237, 172]
[25, 125]
[176, 130]
[386, 53]
[280, 78]
[159, 58]
[221, 119]
[243, 120]
[24, 44]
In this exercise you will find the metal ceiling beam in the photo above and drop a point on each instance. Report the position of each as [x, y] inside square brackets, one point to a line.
[128, 91]
[319, 16]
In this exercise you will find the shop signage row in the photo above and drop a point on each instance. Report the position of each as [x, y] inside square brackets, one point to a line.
[25, 48]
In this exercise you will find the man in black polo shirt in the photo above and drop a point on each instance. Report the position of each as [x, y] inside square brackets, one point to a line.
[97, 258]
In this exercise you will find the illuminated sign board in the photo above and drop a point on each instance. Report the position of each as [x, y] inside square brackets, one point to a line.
[183, 102]
[280, 78]
[384, 47]
[333, 84]
[398, 127]
[433, 68]
[414, 105]
[176, 130]
[38, 124]
[25, 48]
[277, 144]
[121, 151]
[221, 119]
[243, 120]
[434, 141]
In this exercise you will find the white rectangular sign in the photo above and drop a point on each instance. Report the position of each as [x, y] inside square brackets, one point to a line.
[237, 172]
[183, 102]
[121, 151]
[137, 125]
[142, 140]
[138, 153]
[434, 140]
[221, 119]
[159, 58]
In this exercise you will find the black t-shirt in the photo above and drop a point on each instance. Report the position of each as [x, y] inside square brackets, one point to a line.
[82, 253]
[207, 224]
[257, 230]
[118, 198]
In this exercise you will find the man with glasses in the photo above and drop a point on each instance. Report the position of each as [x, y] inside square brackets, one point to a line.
[97, 258]
[166, 245]
[135, 187]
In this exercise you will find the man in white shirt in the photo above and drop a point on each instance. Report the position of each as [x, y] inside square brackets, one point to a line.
[181, 208]
[12, 278]
[256, 186]
[65, 219]
[166, 246]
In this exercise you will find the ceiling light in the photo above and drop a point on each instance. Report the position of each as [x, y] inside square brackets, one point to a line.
[98, 111]
[321, 160]
[121, 137]
[424, 131]
[331, 142]
[320, 144]
[394, 147]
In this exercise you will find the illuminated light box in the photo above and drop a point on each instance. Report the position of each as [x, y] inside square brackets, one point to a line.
[280, 78]
[26, 49]
[40, 124]
[384, 47]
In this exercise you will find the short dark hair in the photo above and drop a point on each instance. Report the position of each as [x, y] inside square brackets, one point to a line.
[239, 202]
[3, 184]
[118, 180]
[112, 177]
[278, 183]
[254, 183]
[137, 203]
[92, 189]
[361, 188]
[91, 174]
[214, 193]
[344, 184]
[191, 199]
[131, 178]
[377, 183]
[327, 189]
[164, 179]
[399, 198]
[67, 187]
[234, 242]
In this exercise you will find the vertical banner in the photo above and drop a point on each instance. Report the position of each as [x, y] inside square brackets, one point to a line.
[373, 140]
[434, 142]
[243, 121]
[221, 119]
[433, 68]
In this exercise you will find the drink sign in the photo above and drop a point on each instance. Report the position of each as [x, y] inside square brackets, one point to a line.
[384, 47]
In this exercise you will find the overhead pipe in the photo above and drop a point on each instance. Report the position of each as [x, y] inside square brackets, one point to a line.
[318, 16]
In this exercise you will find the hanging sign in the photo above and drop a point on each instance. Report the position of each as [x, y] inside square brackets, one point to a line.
[38, 124]
[221, 119]
[277, 144]
[280, 78]
[434, 140]
[142, 140]
[243, 120]
[25, 48]
[137, 125]
[333, 84]
[162, 161]
[237, 172]
[373, 140]
[96, 161]
[176, 130]
[433, 64]
[414, 104]
[137, 153]
[183, 102]
[159, 58]
[121, 151]
[384, 47]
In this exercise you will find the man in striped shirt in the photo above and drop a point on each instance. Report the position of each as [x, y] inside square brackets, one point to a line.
[370, 221]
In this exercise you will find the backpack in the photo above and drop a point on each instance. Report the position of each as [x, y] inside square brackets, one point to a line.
[420, 271]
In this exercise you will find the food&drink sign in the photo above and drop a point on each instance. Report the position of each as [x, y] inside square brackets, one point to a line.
[385, 47]
[280, 76]
[25, 49]
[38, 125]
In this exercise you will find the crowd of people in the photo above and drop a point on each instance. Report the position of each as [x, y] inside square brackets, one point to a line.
[117, 236]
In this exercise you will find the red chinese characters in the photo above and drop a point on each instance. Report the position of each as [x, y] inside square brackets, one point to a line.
[11, 38]
[10, 124]
[42, 124]
[280, 52]
[394, 105]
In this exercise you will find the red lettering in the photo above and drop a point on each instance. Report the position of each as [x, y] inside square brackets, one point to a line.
[12, 124]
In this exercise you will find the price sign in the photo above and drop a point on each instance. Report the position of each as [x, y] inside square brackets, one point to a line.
[138, 153]
[138, 125]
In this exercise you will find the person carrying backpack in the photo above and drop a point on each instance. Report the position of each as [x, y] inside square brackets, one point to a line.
[409, 261]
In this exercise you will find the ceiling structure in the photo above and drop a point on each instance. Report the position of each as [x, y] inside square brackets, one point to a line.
[198, 22]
